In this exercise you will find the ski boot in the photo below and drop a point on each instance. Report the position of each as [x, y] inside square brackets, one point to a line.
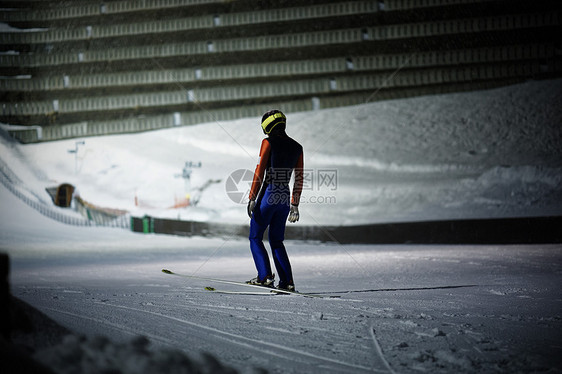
[266, 282]
[287, 287]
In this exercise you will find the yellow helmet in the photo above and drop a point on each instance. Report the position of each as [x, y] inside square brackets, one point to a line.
[271, 119]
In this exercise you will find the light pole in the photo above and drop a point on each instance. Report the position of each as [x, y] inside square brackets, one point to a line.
[75, 151]
[186, 175]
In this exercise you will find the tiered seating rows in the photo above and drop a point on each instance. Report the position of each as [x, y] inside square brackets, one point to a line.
[167, 85]
[273, 90]
[287, 40]
[191, 23]
[287, 69]
[117, 7]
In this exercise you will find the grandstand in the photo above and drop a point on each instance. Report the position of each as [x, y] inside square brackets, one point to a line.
[85, 68]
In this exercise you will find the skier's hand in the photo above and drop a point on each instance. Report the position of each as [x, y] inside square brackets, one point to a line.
[294, 214]
[251, 206]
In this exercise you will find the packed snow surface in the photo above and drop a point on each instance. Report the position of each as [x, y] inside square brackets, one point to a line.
[401, 308]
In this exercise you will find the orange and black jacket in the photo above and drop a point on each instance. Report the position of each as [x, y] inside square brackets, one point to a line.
[279, 156]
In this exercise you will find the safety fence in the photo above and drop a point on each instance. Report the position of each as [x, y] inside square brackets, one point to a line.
[11, 182]
[91, 215]
[474, 231]
[102, 216]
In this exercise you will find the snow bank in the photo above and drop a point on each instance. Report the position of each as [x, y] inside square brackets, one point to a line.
[100, 355]
[38, 337]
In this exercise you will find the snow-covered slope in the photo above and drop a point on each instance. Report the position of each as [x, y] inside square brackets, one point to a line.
[403, 308]
[480, 154]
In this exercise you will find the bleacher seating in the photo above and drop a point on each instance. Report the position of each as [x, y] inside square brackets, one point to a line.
[96, 68]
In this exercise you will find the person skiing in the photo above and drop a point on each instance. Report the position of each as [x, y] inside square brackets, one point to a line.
[270, 200]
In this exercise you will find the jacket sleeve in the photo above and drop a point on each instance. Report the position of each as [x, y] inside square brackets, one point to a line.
[299, 177]
[265, 151]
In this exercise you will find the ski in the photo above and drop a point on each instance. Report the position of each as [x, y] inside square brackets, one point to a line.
[213, 289]
[272, 290]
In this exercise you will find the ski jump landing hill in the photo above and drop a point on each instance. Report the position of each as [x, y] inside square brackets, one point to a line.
[87, 68]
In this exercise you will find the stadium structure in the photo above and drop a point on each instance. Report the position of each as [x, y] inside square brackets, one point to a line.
[87, 68]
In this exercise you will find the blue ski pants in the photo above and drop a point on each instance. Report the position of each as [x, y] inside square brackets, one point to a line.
[271, 211]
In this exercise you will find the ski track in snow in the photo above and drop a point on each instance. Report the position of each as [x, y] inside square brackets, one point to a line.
[117, 326]
[379, 350]
[259, 347]
[256, 345]
[471, 328]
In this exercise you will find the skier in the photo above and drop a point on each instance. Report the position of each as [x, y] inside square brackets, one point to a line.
[271, 202]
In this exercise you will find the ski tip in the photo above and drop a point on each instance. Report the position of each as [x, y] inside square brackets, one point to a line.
[166, 271]
[210, 288]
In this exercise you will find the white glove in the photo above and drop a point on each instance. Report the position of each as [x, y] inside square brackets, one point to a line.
[251, 207]
[294, 214]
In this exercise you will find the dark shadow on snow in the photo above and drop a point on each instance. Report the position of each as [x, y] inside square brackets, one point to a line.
[396, 289]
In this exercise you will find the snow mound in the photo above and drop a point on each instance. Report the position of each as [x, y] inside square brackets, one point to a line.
[62, 351]
[78, 354]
